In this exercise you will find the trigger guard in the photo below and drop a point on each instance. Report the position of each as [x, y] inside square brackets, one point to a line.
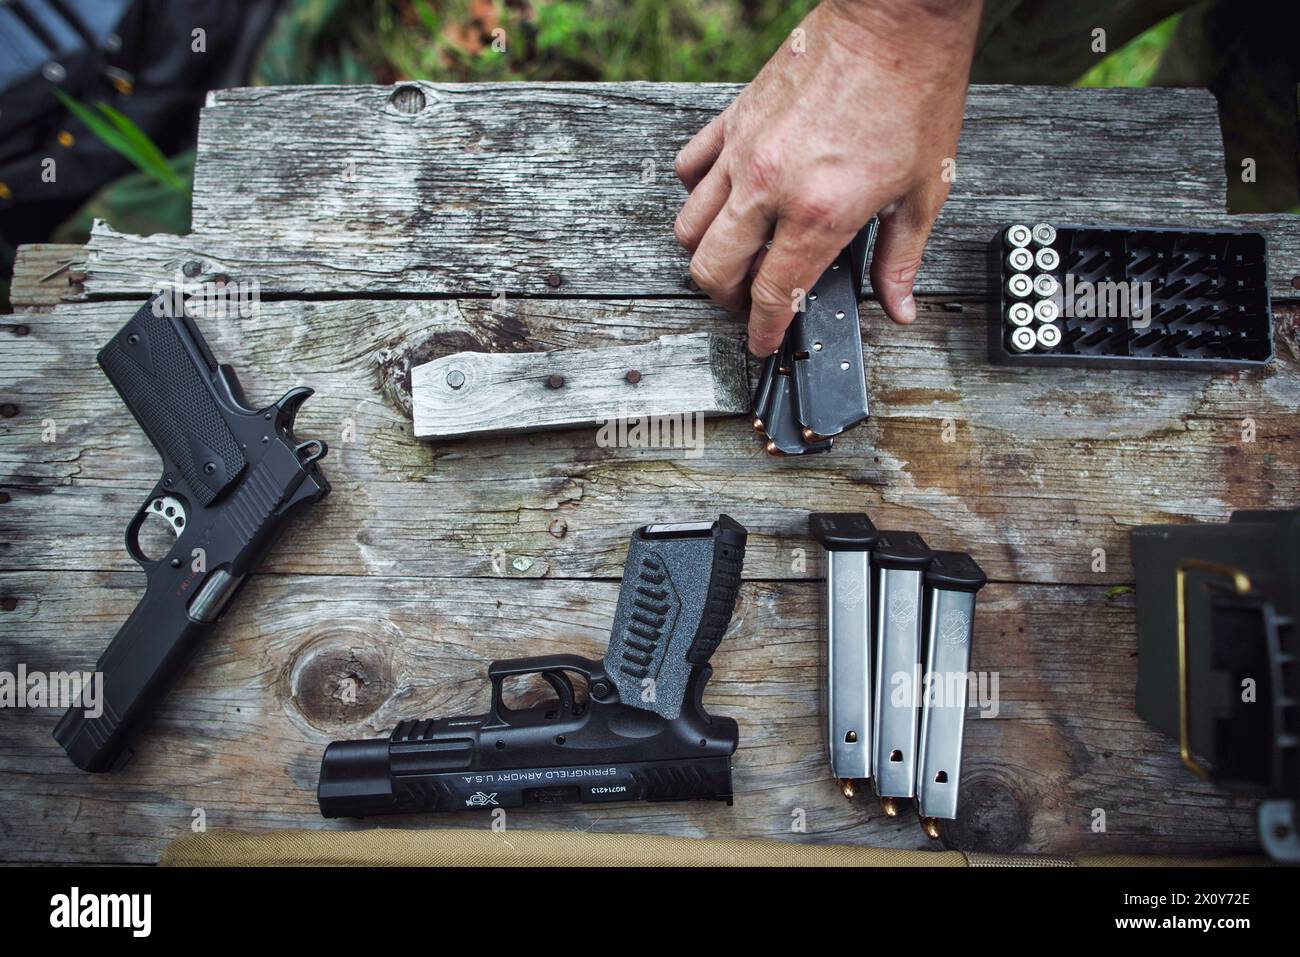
[133, 537]
[558, 681]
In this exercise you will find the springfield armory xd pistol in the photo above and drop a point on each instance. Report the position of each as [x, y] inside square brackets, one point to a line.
[641, 735]
[232, 476]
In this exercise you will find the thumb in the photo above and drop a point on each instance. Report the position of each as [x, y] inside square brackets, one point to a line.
[896, 258]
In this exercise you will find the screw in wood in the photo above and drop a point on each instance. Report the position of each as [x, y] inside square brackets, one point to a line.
[555, 381]
[192, 268]
[633, 376]
[455, 378]
[555, 280]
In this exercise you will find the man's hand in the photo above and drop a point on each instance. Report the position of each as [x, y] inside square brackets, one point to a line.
[858, 113]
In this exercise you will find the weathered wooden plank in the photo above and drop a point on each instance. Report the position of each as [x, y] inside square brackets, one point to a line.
[568, 189]
[242, 734]
[482, 393]
[45, 274]
[1041, 469]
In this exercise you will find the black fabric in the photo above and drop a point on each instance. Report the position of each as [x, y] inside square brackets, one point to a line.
[137, 57]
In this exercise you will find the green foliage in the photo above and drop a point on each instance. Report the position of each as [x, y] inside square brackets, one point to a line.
[119, 133]
[137, 203]
[1133, 64]
[382, 41]
[308, 45]
[321, 41]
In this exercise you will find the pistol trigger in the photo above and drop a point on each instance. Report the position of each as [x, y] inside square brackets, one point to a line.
[563, 689]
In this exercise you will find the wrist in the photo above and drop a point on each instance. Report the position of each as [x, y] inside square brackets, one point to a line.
[912, 25]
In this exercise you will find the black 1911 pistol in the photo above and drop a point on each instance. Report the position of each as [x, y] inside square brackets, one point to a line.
[232, 476]
[641, 735]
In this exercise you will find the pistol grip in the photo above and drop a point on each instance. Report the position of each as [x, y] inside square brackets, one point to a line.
[165, 375]
[724, 586]
[134, 672]
[679, 590]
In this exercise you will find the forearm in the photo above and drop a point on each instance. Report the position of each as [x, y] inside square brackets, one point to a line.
[913, 37]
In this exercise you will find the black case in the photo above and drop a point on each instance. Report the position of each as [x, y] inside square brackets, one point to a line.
[1210, 305]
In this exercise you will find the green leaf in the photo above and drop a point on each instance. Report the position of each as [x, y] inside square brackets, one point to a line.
[148, 159]
[152, 156]
[1116, 590]
[427, 14]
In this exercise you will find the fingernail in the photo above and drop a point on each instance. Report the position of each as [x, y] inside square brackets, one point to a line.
[907, 309]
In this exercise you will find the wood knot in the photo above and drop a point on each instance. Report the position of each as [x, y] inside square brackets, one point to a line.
[408, 99]
[994, 815]
[340, 679]
[393, 366]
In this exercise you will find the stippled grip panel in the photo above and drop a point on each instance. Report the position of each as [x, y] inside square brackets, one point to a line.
[679, 590]
[158, 366]
[724, 584]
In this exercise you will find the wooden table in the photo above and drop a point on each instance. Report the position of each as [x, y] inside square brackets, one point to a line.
[382, 225]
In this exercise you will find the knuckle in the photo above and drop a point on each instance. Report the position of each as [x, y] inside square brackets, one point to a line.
[763, 166]
[814, 208]
[705, 275]
[904, 268]
[767, 295]
[682, 232]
